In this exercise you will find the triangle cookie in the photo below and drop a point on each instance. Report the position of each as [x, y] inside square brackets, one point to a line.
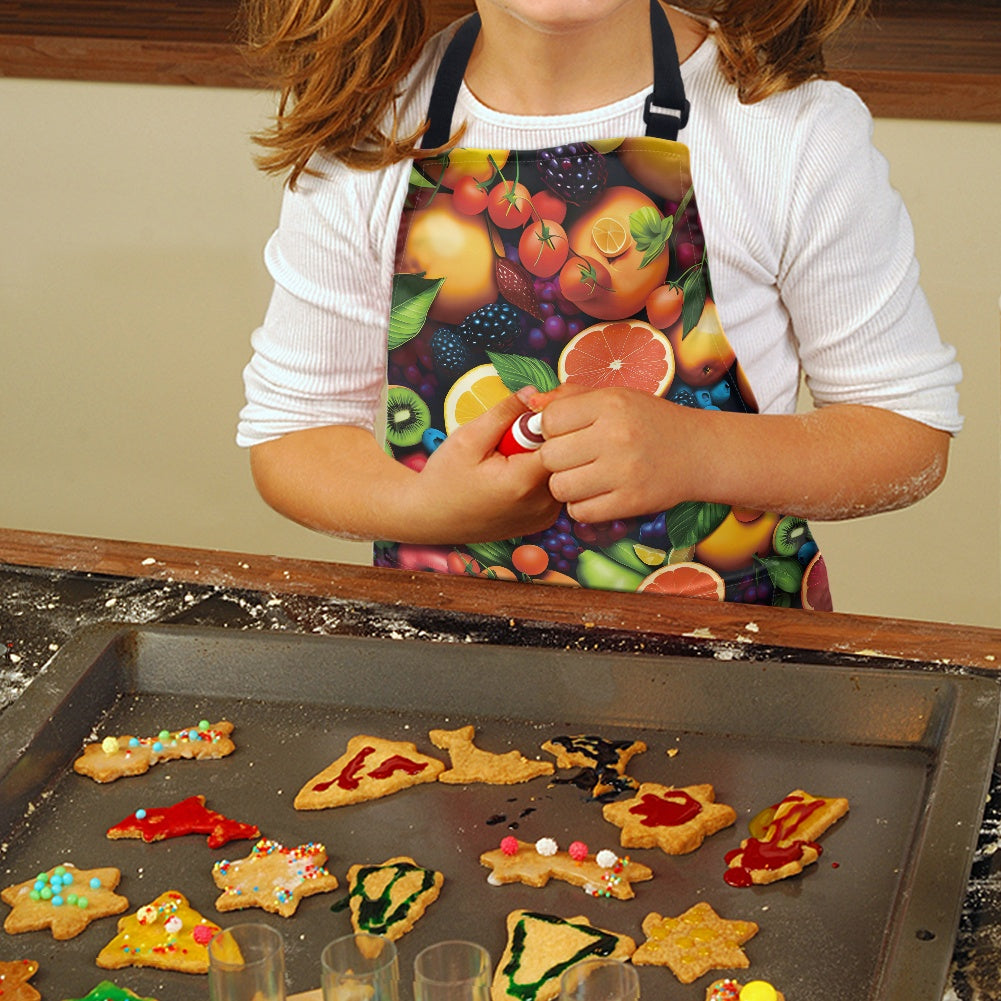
[388, 899]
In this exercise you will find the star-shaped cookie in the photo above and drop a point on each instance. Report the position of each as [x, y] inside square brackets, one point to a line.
[600, 877]
[189, 816]
[675, 820]
[370, 768]
[65, 899]
[273, 877]
[14, 979]
[541, 946]
[107, 991]
[388, 899]
[167, 934]
[694, 943]
[471, 764]
[114, 757]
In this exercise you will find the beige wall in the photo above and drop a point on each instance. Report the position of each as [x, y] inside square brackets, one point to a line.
[131, 228]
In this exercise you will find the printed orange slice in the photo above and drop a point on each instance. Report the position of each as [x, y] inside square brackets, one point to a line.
[472, 394]
[627, 353]
[686, 580]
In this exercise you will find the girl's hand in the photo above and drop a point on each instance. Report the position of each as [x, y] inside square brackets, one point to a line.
[614, 453]
[469, 492]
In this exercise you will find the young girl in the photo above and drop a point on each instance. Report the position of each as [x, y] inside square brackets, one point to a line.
[813, 272]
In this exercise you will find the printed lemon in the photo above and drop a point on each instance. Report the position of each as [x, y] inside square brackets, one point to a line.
[472, 394]
[627, 353]
[686, 580]
[610, 236]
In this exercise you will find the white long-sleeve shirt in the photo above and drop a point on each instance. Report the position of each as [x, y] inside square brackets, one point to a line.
[811, 253]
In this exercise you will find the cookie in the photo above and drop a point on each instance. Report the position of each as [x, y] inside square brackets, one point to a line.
[389, 899]
[601, 875]
[167, 934]
[675, 820]
[694, 943]
[470, 764]
[65, 899]
[370, 768]
[273, 877]
[189, 816]
[783, 840]
[602, 762]
[107, 991]
[115, 757]
[541, 946]
[14, 979]
[754, 990]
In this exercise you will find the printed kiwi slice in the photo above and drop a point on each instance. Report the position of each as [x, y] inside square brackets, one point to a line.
[790, 533]
[407, 416]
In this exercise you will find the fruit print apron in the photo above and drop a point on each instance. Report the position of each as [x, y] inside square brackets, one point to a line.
[584, 263]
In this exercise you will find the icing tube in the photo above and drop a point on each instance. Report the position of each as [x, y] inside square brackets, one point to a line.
[524, 435]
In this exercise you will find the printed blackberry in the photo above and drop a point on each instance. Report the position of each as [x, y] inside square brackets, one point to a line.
[451, 352]
[493, 327]
[577, 173]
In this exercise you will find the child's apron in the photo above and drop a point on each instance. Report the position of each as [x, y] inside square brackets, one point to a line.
[584, 263]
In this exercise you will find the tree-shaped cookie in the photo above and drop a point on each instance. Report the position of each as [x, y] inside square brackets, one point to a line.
[370, 768]
[694, 942]
[674, 820]
[167, 934]
[388, 899]
[541, 946]
[472, 764]
[107, 991]
[63, 898]
[273, 877]
[14, 979]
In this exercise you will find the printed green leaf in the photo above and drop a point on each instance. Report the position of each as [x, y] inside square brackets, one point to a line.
[691, 521]
[693, 284]
[651, 231]
[412, 298]
[784, 572]
[518, 371]
[418, 180]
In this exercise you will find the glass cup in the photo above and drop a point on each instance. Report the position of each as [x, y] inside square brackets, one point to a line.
[247, 963]
[600, 980]
[452, 971]
[360, 967]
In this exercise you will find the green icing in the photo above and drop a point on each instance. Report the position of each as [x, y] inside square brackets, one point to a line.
[375, 914]
[107, 991]
[602, 944]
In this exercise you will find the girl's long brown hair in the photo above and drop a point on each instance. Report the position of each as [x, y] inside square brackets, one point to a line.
[338, 66]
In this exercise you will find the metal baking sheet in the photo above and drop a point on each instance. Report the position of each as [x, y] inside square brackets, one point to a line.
[875, 918]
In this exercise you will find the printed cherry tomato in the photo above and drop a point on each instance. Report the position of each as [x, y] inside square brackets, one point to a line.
[549, 206]
[543, 248]
[581, 277]
[663, 305]
[469, 197]
[509, 204]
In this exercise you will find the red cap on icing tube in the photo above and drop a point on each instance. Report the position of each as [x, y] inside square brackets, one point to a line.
[524, 435]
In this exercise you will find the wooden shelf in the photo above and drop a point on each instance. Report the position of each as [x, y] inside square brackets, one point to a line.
[938, 59]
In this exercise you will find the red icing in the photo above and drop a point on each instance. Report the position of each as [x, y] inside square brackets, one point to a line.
[348, 777]
[672, 809]
[397, 763]
[189, 816]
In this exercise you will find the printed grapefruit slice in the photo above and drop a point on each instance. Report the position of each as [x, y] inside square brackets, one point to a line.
[627, 353]
[815, 590]
[686, 580]
[472, 394]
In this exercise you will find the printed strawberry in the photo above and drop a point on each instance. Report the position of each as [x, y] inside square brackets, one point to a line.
[516, 285]
[493, 327]
[577, 172]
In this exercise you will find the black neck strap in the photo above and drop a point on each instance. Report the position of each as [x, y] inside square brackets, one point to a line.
[665, 113]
